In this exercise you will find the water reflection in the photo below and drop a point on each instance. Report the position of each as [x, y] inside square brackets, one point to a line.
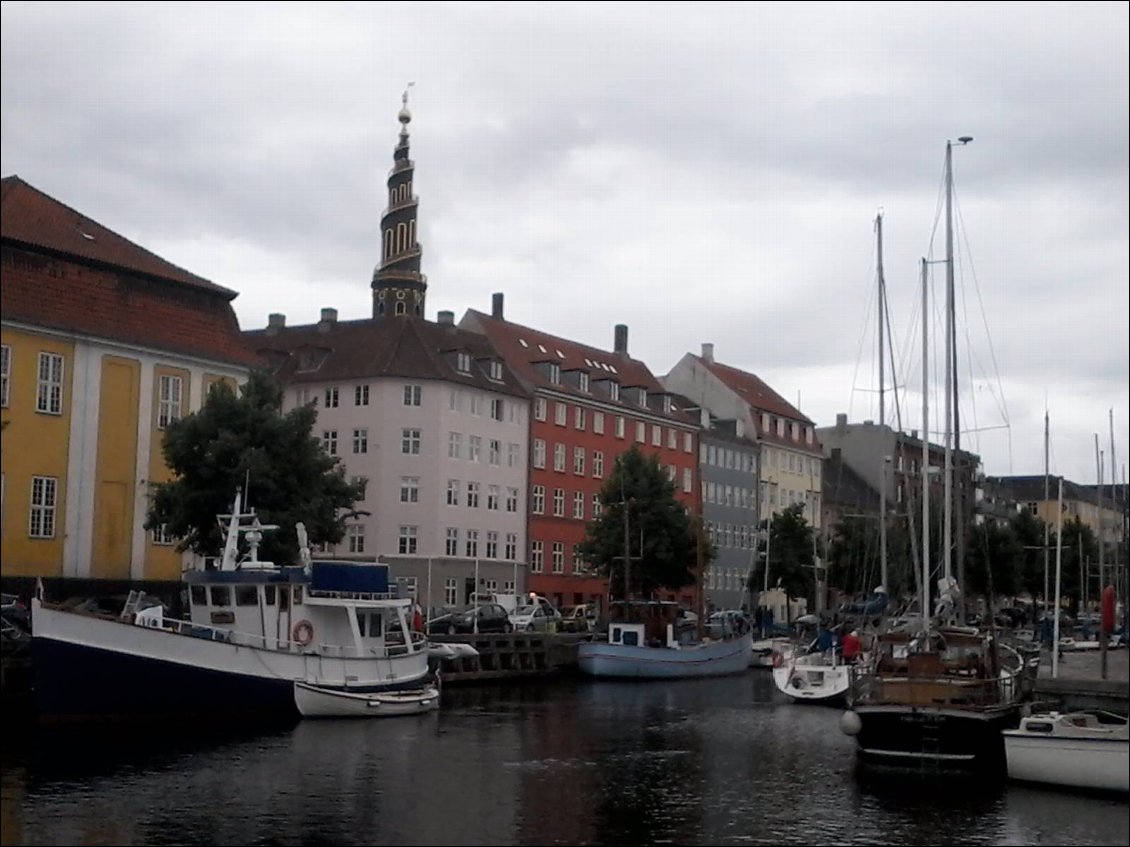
[571, 762]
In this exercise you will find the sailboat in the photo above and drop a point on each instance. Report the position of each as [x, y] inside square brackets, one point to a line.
[944, 693]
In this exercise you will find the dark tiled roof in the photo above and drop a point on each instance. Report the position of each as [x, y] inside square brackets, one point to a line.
[1031, 488]
[106, 287]
[36, 220]
[404, 346]
[524, 347]
[720, 430]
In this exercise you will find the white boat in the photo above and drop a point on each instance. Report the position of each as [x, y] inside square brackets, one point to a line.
[314, 701]
[646, 641]
[1088, 750]
[820, 677]
[254, 629]
[761, 651]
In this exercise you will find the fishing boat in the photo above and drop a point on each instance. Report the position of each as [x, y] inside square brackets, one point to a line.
[254, 629]
[651, 639]
[1085, 749]
[315, 701]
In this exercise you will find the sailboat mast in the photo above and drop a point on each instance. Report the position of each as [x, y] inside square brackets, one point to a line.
[1099, 492]
[1058, 580]
[925, 452]
[882, 406]
[947, 512]
[1047, 524]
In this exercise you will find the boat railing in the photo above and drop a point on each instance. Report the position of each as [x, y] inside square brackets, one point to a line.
[953, 691]
[417, 644]
[353, 595]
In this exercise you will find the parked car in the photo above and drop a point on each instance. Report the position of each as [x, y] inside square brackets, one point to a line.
[537, 617]
[490, 617]
[580, 618]
[726, 622]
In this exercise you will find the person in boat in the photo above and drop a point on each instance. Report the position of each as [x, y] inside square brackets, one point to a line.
[825, 641]
[853, 646]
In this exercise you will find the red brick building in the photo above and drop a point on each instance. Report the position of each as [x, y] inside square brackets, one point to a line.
[588, 406]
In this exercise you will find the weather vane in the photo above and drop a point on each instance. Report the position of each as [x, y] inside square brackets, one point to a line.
[404, 97]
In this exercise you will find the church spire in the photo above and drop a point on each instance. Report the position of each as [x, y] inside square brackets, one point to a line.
[398, 286]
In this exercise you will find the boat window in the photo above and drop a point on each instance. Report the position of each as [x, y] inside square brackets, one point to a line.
[247, 595]
[630, 638]
[284, 598]
[1036, 726]
[199, 596]
[298, 595]
[361, 619]
[269, 594]
[221, 595]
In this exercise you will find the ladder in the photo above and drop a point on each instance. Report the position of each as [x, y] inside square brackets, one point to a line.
[133, 601]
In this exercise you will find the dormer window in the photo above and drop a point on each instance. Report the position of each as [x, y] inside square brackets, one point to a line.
[667, 403]
[463, 363]
[643, 398]
[555, 373]
[583, 382]
[613, 390]
[495, 370]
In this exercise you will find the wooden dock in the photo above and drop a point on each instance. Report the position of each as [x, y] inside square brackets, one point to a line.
[1079, 683]
[502, 656]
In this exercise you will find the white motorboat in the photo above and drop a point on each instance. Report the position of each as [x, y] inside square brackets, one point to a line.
[1088, 750]
[315, 701]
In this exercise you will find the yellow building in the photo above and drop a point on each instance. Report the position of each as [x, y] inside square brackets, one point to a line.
[103, 343]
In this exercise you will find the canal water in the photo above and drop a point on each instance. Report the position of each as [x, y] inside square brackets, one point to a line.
[571, 761]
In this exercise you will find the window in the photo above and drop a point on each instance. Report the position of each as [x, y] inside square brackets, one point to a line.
[331, 398]
[494, 452]
[361, 395]
[558, 557]
[168, 400]
[304, 397]
[463, 363]
[362, 484]
[454, 445]
[619, 427]
[656, 435]
[597, 507]
[559, 502]
[407, 545]
[539, 453]
[579, 461]
[162, 537]
[514, 454]
[560, 414]
[555, 373]
[579, 505]
[473, 495]
[5, 373]
[355, 536]
[412, 395]
[49, 391]
[687, 480]
[410, 489]
[559, 457]
[538, 505]
[451, 545]
[641, 432]
[539, 408]
[687, 443]
[497, 409]
[453, 400]
[361, 441]
[450, 590]
[472, 543]
[583, 382]
[329, 441]
[493, 497]
[410, 442]
[613, 390]
[511, 546]
[536, 557]
[492, 544]
[495, 371]
[642, 398]
[672, 440]
[453, 492]
[44, 491]
[474, 447]
[598, 423]
[579, 418]
[476, 405]
[598, 464]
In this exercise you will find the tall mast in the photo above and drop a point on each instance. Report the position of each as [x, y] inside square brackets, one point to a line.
[1099, 490]
[925, 453]
[882, 408]
[1058, 580]
[1047, 523]
[947, 511]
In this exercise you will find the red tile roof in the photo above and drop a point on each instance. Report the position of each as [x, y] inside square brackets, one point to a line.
[105, 286]
[523, 347]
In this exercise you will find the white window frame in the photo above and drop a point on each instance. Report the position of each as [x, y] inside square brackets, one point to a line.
[168, 399]
[361, 440]
[408, 540]
[410, 489]
[49, 388]
[355, 538]
[410, 442]
[451, 548]
[361, 395]
[413, 395]
[5, 373]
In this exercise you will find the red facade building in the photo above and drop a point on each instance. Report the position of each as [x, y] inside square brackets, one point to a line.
[588, 407]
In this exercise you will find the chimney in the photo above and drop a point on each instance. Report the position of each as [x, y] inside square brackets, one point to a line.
[496, 306]
[620, 342]
[275, 322]
[841, 423]
[708, 352]
[446, 318]
[329, 318]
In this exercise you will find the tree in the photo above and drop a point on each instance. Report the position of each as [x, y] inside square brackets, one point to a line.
[791, 552]
[246, 440]
[993, 561]
[661, 537]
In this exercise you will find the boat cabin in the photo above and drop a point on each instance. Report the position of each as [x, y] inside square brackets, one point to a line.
[648, 623]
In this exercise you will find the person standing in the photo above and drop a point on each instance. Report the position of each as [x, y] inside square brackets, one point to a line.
[853, 646]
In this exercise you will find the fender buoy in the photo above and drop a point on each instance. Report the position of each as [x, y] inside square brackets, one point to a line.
[303, 633]
[797, 682]
[778, 658]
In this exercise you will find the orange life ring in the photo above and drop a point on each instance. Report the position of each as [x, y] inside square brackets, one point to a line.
[303, 633]
[778, 658]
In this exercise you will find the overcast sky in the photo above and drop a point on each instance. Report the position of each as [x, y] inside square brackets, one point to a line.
[701, 173]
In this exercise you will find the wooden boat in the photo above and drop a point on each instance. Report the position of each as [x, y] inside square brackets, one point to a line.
[1088, 749]
[315, 701]
[648, 639]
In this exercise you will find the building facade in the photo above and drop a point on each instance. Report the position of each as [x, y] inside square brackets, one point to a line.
[103, 345]
[588, 406]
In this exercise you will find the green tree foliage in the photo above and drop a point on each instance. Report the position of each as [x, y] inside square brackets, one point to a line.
[1029, 532]
[234, 439]
[661, 534]
[791, 552]
[993, 560]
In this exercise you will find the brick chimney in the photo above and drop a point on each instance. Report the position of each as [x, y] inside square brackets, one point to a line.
[445, 318]
[496, 306]
[275, 322]
[620, 340]
[329, 318]
[708, 351]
